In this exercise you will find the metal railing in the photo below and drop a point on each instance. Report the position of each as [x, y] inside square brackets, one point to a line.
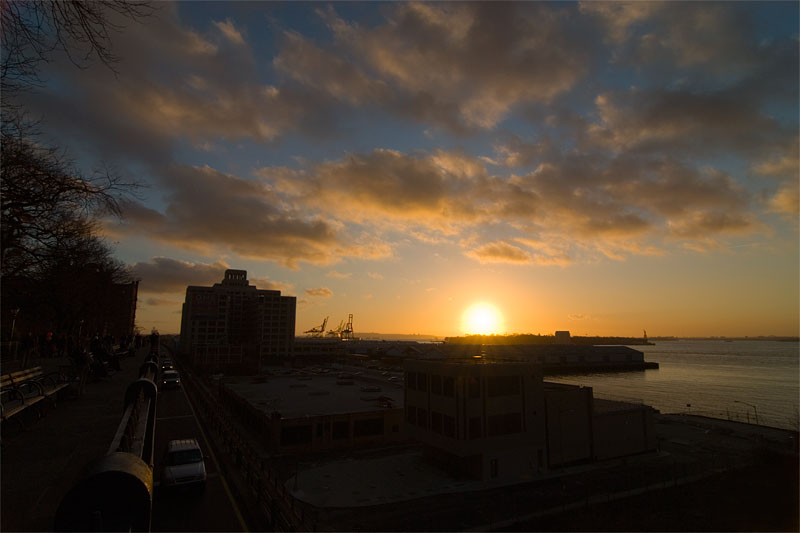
[116, 494]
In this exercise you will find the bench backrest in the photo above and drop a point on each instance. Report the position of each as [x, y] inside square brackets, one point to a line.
[14, 378]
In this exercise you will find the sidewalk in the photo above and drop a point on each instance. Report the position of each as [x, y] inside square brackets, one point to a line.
[42, 462]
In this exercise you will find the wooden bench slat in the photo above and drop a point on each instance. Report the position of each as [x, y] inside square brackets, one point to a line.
[28, 387]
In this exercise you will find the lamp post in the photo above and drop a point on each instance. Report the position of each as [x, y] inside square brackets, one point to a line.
[755, 410]
[14, 313]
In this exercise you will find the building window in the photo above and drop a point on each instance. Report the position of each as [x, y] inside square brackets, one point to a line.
[475, 428]
[411, 414]
[340, 430]
[473, 387]
[368, 427]
[449, 386]
[502, 385]
[411, 380]
[295, 435]
[448, 426]
[422, 418]
[493, 467]
[436, 384]
[422, 381]
[436, 420]
[505, 424]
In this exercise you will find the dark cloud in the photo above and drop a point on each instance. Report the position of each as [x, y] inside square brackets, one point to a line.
[711, 35]
[208, 210]
[163, 274]
[461, 66]
[683, 122]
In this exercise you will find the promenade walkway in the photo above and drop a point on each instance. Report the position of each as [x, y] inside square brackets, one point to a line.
[42, 462]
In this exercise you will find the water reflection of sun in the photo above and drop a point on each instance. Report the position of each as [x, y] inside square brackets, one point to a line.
[482, 319]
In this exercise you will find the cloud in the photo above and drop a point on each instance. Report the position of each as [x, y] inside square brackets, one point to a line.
[208, 210]
[658, 120]
[162, 302]
[375, 275]
[719, 37]
[320, 292]
[786, 200]
[578, 316]
[705, 223]
[610, 203]
[339, 275]
[230, 32]
[175, 84]
[269, 284]
[165, 275]
[499, 252]
[461, 66]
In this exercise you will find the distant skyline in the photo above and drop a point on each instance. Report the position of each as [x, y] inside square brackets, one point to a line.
[596, 167]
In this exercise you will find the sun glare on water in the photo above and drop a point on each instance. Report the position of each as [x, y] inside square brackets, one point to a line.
[482, 319]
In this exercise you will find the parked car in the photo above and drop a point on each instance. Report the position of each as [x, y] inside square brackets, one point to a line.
[184, 465]
[170, 380]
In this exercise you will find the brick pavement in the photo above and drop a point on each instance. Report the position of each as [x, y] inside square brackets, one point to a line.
[42, 462]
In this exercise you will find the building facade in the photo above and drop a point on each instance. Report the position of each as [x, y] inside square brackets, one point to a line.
[487, 419]
[498, 419]
[234, 325]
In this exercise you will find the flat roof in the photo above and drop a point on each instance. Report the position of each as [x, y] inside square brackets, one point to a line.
[298, 395]
[611, 406]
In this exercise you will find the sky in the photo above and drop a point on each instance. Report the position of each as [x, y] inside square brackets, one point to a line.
[602, 168]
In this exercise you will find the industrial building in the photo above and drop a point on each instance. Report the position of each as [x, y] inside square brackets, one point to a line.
[301, 411]
[235, 326]
[494, 419]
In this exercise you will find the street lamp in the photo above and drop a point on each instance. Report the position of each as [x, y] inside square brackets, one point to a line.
[14, 313]
[755, 411]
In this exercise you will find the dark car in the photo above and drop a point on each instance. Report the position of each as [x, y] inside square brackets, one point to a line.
[170, 380]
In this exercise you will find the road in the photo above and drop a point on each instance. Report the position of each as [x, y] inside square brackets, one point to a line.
[212, 509]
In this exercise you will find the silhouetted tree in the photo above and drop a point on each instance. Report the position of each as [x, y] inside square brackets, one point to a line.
[33, 29]
[46, 205]
[52, 258]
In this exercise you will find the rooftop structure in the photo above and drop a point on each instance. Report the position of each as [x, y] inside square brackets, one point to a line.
[304, 411]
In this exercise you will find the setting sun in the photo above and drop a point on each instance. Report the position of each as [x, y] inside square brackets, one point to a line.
[482, 319]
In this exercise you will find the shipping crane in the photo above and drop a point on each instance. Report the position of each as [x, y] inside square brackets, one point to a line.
[337, 331]
[347, 332]
[319, 330]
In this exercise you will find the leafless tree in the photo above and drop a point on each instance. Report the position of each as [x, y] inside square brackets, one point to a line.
[33, 29]
[47, 206]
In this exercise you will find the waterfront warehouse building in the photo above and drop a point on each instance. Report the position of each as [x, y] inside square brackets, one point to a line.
[497, 419]
[485, 417]
[235, 326]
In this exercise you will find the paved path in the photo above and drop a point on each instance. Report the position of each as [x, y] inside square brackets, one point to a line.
[42, 462]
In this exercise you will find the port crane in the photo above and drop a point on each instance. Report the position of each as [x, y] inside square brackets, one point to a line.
[319, 330]
[343, 330]
[347, 332]
[337, 331]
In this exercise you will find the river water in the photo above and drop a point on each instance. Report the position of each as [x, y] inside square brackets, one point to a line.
[739, 380]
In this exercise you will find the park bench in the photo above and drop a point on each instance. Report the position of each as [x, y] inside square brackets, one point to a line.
[27, 388]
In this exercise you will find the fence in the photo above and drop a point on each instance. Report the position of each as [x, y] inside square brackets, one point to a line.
[273, 502]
